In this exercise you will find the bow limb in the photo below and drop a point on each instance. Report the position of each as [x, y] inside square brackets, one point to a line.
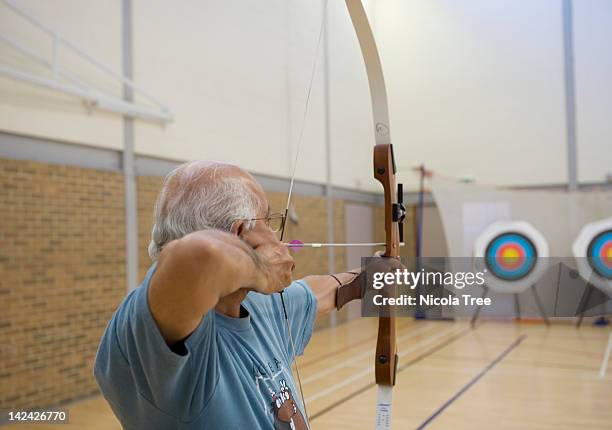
[384, 172]
[376, 80]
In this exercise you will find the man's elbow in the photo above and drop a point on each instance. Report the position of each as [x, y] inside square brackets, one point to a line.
[194, 252]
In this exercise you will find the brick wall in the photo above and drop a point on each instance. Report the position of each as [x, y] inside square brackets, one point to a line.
[147, 189]
[62, 270]
[61, 277]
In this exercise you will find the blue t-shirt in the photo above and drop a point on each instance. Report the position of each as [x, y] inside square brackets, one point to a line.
[234, 373]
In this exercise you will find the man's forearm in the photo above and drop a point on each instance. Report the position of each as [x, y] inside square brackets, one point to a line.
[325, 287]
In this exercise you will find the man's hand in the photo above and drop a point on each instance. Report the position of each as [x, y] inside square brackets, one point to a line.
[195, 272]
[275, 261]
[356, 288]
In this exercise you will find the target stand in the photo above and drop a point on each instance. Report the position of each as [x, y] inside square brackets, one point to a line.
[514, 255]
[592, 250]
[517, 307]
[587, 302]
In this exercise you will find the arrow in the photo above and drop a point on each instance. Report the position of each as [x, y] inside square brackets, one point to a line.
[298, 244]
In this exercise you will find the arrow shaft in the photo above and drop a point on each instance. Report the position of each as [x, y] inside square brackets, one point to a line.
[334, 245]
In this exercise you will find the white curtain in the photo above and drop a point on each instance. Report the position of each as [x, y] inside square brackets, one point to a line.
[467, 209]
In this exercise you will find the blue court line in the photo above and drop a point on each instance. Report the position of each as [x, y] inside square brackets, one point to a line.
[467, 386]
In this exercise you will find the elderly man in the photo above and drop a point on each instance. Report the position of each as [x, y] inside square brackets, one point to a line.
[203, 342]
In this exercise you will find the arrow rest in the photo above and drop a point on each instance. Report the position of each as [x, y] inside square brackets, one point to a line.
[399, 211]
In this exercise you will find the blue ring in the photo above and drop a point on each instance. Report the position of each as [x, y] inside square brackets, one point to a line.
[503, 239]
[594, 252]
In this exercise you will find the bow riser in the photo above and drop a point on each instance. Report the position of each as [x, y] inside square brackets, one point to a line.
[384, 172]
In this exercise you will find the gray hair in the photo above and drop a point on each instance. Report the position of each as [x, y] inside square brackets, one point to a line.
[185, 204]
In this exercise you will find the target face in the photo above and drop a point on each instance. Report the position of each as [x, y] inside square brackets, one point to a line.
[600, 254]
[511, 256]
[592, 250]
[514, 255]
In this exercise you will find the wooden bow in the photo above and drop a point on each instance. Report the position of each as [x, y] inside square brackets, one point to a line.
[384, 172]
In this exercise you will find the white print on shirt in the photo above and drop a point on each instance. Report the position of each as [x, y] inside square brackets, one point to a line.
[287, 415]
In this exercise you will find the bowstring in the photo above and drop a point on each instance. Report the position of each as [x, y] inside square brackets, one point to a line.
[305, 113]
[294, 169]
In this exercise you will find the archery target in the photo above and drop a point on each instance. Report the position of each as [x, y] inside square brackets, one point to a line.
[600, 254]
[514, 254]
[592, 250]
[510, 256]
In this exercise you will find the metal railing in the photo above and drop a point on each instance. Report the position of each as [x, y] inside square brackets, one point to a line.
[66, 82]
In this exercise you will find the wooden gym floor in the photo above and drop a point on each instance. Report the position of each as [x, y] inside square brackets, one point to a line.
[502, 375]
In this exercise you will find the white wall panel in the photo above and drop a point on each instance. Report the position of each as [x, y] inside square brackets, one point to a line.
[94, 27]
[476, 87]
[592, 45]
[235, 74]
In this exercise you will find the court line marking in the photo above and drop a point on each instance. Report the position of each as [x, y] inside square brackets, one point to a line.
[345, 348]
[399, 369]
[529, 363]
[368, 371]
[369, 353]
[473, 381]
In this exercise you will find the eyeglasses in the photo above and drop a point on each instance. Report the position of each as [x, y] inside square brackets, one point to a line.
[275, 221]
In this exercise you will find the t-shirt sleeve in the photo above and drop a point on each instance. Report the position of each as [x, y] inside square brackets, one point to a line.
[163, 377]
[301, 305]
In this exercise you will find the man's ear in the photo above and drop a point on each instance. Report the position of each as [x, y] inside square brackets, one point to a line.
[238, 227]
